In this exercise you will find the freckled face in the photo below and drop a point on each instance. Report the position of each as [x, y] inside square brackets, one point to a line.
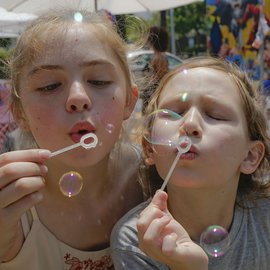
[212, 116]
[77, 79]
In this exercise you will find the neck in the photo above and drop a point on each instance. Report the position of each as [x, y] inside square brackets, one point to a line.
[196, 210]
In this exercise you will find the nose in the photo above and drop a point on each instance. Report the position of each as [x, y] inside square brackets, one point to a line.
[191, 123]
[78, 99]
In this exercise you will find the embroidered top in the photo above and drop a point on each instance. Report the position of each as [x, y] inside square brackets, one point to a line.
[43, 251]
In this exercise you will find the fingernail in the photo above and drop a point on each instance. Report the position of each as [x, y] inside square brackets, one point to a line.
[44, 153]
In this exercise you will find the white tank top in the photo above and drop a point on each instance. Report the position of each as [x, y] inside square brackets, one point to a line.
[43, 251]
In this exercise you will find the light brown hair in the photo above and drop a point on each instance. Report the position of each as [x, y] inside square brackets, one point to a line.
[258, 183]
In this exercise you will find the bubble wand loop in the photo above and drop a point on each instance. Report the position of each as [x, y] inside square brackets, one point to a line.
[82, 143]
[183, 140]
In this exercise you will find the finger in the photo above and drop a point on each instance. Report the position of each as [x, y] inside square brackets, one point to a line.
[155, 228]
[153, 211]
[151, 241]
[32, 155]
[169, 244]
[149, 214]
[19, 189]
[160, 200]
[16, 170]
[13, 212]
[178, 229]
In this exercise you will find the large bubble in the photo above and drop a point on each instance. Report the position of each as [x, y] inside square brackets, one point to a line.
[71, 183]
[215, 241]
[162, 130]
[159, 125]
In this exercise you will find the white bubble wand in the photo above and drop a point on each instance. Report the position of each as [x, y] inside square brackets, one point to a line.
[82, 143]
[182, 146]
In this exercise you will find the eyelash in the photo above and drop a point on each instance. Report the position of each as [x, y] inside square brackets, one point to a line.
[217, 118]
[208, 114]
[50, 87]
[98, 83]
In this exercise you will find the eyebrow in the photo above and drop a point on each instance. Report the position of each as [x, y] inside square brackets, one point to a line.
[58, 67]
[43, 67]
[96, 63]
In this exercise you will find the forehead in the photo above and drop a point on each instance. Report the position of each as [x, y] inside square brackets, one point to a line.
[76, 43]
[199, 82]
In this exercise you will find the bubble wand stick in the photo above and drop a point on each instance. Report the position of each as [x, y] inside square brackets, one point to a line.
[81, 143]
[186, 143]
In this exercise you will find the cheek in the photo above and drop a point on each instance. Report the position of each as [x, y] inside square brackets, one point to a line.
[163, 157]
[112, 109]
[109, 118]
[40, 119]
[230, 147]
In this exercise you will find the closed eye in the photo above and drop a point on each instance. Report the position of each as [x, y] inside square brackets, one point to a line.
[217, 117]
[98, 83]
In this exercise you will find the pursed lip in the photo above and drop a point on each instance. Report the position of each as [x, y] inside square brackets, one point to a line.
[80, 129]
[189, 155]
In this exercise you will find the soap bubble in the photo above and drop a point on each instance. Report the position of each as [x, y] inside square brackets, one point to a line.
[78, 17]
[215, 241]
[71, 184]
[156, 127]
[161, 128]
[110, 128]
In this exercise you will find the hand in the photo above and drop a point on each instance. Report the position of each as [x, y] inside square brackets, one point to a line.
[164, 239]
[21, 178]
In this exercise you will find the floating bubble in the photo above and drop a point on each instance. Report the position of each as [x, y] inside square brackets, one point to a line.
[110, 128]
[184, 97]
[161, 127]
[215, 241]
[185, 71]
[71, 184]
[78, 17]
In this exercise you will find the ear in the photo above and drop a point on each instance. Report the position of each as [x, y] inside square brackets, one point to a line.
[131, 104]
[148, 152]
[253, 158]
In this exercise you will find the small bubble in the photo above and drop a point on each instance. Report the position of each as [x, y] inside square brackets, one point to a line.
[78, 17]
[184, 97]
[215, 241]
[71, 184]
[110, 128]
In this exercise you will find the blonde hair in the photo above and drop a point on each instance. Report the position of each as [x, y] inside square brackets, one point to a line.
[257, 183]
[32, 43]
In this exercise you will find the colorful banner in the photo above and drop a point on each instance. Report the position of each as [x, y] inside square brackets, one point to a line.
[240, 32]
